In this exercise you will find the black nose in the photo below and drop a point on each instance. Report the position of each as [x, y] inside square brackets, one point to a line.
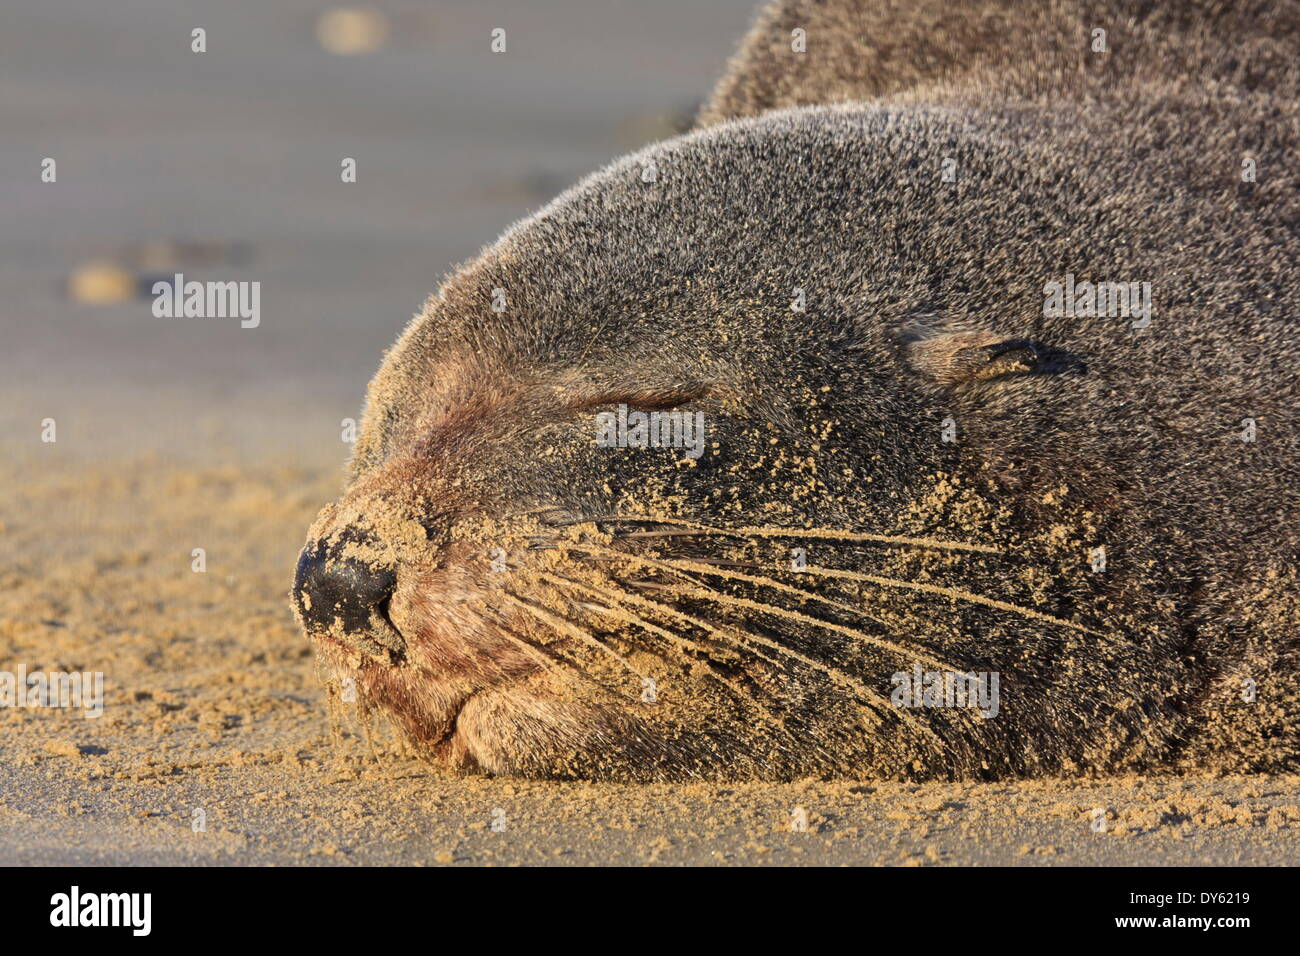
[334, 593]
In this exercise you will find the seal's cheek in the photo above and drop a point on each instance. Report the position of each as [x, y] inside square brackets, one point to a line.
[455, 628]
[523, 730]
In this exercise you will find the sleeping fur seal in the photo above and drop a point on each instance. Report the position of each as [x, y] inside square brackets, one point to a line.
[928, 411]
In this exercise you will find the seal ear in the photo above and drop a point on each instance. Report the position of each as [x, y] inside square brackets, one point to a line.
[968, 355]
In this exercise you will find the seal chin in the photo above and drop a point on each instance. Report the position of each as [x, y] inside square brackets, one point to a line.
[421, 702]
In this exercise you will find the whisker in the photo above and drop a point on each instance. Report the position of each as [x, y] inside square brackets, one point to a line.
[709, 568]
[871, 697]
[955, 593]
[677, 640]
[647, 585]
[729, 638]
[567, 627]
[561, 581]
[737, 640]
[554, 664]
[830, 534]
[684, 533]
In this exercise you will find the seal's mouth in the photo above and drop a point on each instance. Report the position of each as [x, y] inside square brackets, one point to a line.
[411, 691]
[387, 643]
[383, 643]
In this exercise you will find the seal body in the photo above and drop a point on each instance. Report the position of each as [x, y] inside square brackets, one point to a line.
[930, 410]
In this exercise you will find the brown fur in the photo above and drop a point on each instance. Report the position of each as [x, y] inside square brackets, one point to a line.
[924, 318]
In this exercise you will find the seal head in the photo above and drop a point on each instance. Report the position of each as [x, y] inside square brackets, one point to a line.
[759, 454]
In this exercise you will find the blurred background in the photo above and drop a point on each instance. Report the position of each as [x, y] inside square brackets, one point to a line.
[225, 165]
